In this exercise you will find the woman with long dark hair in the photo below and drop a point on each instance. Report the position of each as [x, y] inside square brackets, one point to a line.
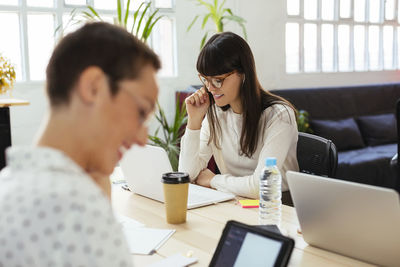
[235, 120]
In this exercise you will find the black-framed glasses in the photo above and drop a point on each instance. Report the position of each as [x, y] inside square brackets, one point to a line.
[217, 82]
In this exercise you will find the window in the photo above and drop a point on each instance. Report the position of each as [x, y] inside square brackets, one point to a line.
[342, 35]
[29, 33]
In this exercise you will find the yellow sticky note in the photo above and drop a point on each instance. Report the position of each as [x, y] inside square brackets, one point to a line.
[249, 203]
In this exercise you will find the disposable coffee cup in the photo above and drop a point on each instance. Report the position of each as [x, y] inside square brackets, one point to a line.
[176, 187]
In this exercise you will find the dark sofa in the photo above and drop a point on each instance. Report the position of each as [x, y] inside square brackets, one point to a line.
[360, 121]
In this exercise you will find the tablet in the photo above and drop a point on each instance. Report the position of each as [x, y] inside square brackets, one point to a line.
[243, 245]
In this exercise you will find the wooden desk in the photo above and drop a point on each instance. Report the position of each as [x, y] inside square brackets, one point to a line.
[5, 127]
[201, 232]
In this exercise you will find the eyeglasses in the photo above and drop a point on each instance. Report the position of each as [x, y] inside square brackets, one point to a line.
[145, 110]
[217, 82]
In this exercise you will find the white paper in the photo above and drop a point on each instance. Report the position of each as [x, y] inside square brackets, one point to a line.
[176, 260]
[143, 240]
[126, 221]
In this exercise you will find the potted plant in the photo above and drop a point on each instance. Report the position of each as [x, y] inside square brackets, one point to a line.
[303, 124]
[219, 15]
[7, 75]
[171, 133]
[144, 19]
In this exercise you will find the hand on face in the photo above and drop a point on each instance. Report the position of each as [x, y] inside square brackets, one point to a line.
[196, 106]
[204, 178]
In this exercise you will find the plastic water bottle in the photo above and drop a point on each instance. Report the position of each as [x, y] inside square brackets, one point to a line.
[270, 194]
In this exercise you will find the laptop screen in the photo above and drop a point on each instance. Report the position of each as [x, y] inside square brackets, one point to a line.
[242, 248]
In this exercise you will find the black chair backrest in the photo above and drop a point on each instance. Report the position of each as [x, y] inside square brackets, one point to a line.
[316, 155]
[396, 158]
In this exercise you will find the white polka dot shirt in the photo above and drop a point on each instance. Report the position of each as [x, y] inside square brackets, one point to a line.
[53, 214]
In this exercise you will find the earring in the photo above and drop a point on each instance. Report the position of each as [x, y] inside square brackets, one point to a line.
[244, 78]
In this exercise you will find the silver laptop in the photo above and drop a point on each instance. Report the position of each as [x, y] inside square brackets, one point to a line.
[143, 167]
[356, 220]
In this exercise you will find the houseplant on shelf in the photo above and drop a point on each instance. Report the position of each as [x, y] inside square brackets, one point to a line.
[171, 133]
[219, 15]
[7, 75]
[303, 124]
[144, 18]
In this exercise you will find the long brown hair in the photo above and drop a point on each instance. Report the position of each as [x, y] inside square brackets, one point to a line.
[226, 52]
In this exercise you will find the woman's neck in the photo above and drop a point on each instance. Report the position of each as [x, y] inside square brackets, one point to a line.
[236, 107]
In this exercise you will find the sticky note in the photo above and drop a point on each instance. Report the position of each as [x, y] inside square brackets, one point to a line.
[249, 203]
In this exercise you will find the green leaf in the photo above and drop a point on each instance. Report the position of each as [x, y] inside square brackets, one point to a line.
[127, 13]
[141, 18]
[171, 133]
[203, 40]
[56, 30]
[119, 12]
[89, 16]
[235, 18]
[205, 19]
[229, 11]
[147, 28]
[94, 12]
[207, 5]
[71, 18]
[220, 8]
[244, 30]
[151, 28]
[191, 24]
[135, 16]
[177, 118]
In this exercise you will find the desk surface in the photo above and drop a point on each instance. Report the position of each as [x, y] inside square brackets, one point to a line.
[8, 102]
[201, 232]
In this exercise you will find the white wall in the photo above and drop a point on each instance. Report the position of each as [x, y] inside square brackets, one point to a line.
[265, 27]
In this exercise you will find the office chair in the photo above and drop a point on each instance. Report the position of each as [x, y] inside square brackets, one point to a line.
[316, 155]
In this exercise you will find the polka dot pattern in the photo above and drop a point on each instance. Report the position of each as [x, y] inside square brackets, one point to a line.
[53, 214]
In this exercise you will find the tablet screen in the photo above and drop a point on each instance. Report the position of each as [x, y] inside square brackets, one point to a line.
[243, 249]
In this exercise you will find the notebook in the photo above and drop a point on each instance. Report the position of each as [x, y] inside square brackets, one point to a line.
[356, 220]
[143, 167]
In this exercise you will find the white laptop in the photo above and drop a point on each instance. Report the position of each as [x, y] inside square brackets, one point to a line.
[356, 220]
[143, 167]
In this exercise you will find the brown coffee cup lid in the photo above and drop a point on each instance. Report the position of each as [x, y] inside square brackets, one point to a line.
[175, 178]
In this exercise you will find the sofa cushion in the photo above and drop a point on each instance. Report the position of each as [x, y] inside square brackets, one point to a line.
[378, 129]
[343, 133]
[368, 165]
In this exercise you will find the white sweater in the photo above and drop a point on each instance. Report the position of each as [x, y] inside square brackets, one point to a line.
[240, 174]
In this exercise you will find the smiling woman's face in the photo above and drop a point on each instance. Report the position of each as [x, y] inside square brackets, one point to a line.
[228, 94]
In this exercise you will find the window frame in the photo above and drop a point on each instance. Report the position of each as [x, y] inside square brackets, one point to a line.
[337, 20]
[57, 11]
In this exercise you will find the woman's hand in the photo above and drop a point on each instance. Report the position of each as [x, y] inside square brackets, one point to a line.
[204, 178]
[196, 106]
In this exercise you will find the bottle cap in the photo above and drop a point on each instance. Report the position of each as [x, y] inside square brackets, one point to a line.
[270, 161]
